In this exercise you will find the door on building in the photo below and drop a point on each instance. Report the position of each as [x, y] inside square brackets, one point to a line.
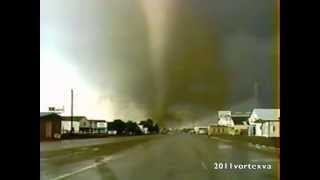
[48, 129]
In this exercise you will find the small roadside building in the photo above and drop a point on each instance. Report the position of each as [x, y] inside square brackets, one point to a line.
[201, 130]
[84, 125]
[240, 123]
[143, 129]
[218, 130]
[264, 122]
[98, 126]
[66, 124]
[224, 118]
[50, 126]
[232, 123]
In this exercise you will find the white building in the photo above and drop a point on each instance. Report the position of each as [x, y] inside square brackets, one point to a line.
[98, 126]
[93, 126]
[236, 122]
[225, 118]
[66, 124]
[240, 123]
[264, 122]
[143, 129]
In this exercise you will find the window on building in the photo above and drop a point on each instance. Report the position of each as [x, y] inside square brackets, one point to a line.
[274, 128]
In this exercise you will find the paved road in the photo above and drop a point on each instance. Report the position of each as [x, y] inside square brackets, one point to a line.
[172, 157]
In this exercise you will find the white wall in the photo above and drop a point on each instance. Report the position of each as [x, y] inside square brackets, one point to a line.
[66, 126]
[101, 125]
[268, 129]
[271, 129]
[225, 118]
[84, 123]
[253, 117]
[145, 130]
[259, 129]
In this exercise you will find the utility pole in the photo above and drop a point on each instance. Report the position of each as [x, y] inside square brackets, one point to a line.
[72, 129]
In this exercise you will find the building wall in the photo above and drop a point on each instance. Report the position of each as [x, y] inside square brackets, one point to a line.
[218, 130]
[66, 126]
[267, 129]
[84, 123]
[239, 130]
[251, 130]
[198, 129]
[258, 129]
[102, 125]
[49, 128]
[225, 118]
[91, 126]
[271, 129]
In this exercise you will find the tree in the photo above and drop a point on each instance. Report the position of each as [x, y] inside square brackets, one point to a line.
[117, 125]
[147, 124]
[132, 128]
[156, 128]
[152, 127]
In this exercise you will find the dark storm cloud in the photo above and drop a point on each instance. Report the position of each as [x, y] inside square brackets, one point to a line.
[214, 52]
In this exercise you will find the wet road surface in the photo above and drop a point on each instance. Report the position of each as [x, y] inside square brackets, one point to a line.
[171, 157]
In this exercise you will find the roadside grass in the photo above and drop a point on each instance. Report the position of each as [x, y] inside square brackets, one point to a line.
[273, 142]
[72, 155]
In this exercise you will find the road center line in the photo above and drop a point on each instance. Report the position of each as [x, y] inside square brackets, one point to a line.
[84, 168]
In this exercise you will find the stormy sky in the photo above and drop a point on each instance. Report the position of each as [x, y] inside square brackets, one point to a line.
[176, 61]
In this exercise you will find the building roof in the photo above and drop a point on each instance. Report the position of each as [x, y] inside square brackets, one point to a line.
[75, 118]
[44, 115]
[96, 120]
[217, 125]
[240, 117]
[239, 120]
[240, 114]
[267, 114]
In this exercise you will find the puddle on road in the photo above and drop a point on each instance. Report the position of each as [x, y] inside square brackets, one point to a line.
[84, 148]
[95, 149]
[224, 146]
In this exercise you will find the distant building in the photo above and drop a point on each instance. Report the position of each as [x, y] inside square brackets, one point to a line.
[98, 126]
[112, 132]
[264, 122]
[201, 130]
[92, 126]
[237, 122]
[84, 125]
[240, 123]
[143, 129]
[66, 124]
[224, 118]
[50, 126]
[217, 130]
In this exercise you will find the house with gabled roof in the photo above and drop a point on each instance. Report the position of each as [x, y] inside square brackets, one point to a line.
[240, 123]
